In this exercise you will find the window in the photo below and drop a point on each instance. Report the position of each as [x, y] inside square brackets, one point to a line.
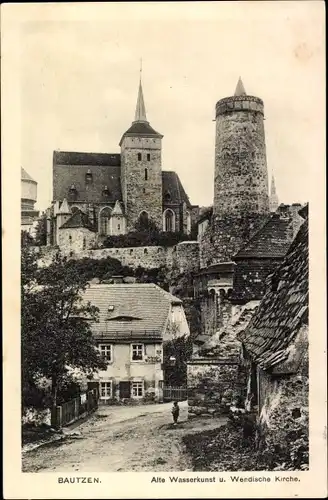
[139, 156]
[146, 174]
[137, 389]
[88, 177]
[105, 390]
[104, 218]
[84, 243]
[148, 156]
[169, 221]
[137, 352]
[106, 351]
[118, 227]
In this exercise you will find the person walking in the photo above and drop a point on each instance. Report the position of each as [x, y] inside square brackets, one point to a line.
[175, 412]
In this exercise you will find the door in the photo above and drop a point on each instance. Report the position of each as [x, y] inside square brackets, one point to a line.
[125, 391]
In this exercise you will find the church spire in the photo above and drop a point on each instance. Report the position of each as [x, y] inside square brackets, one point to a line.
[140, 114]
[240, 89]
[274, 202]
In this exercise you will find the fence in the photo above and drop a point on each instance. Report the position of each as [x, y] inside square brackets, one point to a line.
[75, 409]
[174, 393]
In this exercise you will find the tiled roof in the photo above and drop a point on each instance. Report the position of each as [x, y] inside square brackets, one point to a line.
[70, 168]
[171, 185]
[141, 128]
[146, 301]
[271, 241]
[25, 176]
[283, 311]
[78, 219]
[87, 159]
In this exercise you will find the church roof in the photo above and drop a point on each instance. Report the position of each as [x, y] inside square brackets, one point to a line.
[171, 185]
[70, 168]
[283, 311]
[79, 219]
[87, 159]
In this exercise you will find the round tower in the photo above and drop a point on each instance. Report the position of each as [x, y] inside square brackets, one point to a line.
[241, 177]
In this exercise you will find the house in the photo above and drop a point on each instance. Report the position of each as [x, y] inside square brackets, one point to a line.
[275, 345]
[135, 321]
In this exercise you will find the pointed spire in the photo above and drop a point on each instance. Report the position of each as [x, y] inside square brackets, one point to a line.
[64, 208]
[140, 114]
[273, 186]
[240, 89]
[117, 210]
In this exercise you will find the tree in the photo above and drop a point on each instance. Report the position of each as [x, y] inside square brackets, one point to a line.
[55, 328]
[26, 239]
[41, 231]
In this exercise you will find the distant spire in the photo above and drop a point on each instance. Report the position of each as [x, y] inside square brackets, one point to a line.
[240, 89]
[140, 114]
[274, 202]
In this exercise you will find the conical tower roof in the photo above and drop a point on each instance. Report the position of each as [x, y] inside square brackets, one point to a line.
[240, 89]
[64, 208]
[25, 176]
[140, 114]
[140, 126]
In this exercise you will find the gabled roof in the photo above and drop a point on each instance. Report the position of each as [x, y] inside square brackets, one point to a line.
[171, 185]
[78, 219]
[64, 208]
[87, 159]
[271, 241]
[117, 210]
[146, 306]
[283, 311]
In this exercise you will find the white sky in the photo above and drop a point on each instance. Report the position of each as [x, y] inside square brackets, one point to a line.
[80, 72]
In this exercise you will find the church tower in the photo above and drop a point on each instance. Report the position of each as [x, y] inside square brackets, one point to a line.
[141, 169]
[241, 177]
[274, 202]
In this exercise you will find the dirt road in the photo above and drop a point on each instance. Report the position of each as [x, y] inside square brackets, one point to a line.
[123, 439]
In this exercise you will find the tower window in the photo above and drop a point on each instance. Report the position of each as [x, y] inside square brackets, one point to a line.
[148, 156]
[146, 174]
[88, 176]
[139, 156]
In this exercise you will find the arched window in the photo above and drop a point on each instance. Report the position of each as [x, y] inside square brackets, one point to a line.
[169, 221]
[146, 174]
[104, 217]
[143, 220]
[188, 223]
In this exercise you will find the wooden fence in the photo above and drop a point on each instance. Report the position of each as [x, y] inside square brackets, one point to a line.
[174, 393]
[75, 409]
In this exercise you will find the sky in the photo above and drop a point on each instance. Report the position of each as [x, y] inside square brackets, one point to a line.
[79, 76]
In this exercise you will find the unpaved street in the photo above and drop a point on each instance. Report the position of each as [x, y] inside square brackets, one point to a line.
[125, 439]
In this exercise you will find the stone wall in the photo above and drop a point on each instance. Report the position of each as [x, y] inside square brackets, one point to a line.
[76, 239]
[225, 236]
[184, 256]
[212, 385]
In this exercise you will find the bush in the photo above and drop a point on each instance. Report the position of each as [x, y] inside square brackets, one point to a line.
[146, 239]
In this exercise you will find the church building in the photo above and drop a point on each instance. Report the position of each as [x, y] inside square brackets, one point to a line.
[104, 194]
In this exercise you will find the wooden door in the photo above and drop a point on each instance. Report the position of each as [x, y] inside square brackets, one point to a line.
[125, 390]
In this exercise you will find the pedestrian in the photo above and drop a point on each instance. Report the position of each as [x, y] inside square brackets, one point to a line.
[175, 412]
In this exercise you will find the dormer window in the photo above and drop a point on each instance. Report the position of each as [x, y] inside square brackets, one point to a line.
[106, 191]
[88, 176]
[167, 196]
[110, 308]
[72, 188]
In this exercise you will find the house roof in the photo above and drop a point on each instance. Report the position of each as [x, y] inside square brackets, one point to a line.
[78, 219]
[271, 241]
[283, 310]
[145, 305]
[171, 185]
